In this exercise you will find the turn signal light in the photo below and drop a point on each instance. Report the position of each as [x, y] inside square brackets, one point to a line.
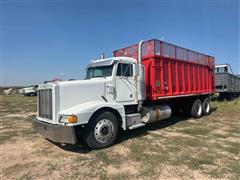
[72, 119]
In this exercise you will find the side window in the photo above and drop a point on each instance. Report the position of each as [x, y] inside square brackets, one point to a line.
[125, 70]
[225, 69]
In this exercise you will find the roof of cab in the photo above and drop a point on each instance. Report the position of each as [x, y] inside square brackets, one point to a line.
[110, 61]
[221, 65]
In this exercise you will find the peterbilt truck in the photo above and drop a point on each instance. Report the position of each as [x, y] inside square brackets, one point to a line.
[140, 84]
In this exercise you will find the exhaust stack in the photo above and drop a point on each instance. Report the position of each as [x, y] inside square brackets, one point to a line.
[140, 80]
[102, 56]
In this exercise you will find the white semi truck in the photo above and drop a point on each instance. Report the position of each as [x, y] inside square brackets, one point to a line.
[114, 95]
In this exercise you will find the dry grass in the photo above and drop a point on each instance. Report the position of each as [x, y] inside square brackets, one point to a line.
[176, 148]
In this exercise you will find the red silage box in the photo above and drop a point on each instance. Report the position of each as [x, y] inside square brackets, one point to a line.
[173, 71]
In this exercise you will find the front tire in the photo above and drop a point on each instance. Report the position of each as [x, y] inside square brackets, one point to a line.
[196, 109]
[102, 131]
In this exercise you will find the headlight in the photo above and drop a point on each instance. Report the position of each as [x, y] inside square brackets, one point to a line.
[68, 119]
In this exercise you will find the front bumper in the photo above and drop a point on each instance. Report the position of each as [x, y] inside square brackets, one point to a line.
[55, 133]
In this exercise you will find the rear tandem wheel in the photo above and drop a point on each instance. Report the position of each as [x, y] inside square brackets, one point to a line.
[197, 109]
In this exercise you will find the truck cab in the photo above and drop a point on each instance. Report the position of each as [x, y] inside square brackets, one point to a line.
[222, 68]
[100, 101]
[119, 75]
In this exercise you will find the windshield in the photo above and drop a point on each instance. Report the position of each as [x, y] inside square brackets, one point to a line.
[221, 70]
[99, 71]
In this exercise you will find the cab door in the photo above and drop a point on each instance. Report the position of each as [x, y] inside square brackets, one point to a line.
[125, 83]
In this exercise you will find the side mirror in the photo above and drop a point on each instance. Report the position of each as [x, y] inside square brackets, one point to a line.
[136, 70]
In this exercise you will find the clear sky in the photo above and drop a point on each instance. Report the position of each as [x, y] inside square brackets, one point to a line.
[41, 40]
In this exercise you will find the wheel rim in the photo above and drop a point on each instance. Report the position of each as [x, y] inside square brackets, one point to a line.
[103, 130]
[199, 110]
[208, 108]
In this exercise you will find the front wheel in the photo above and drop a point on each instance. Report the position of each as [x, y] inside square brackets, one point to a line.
[102, 131]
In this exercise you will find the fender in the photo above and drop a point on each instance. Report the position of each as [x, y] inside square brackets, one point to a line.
[85, 111]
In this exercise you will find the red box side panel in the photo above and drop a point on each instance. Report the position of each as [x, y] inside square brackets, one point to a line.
[169, 77]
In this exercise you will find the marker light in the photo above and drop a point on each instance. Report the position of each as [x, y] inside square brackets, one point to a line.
[72, 119]
[68, 119]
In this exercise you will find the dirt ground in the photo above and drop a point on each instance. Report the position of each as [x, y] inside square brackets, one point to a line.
[180, 147]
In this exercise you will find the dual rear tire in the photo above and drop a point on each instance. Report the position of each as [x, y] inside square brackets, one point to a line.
[200, 108]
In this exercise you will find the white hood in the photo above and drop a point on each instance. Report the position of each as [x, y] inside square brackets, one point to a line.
[72, 93]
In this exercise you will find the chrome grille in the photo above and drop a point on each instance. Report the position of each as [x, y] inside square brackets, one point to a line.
[45, 103]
